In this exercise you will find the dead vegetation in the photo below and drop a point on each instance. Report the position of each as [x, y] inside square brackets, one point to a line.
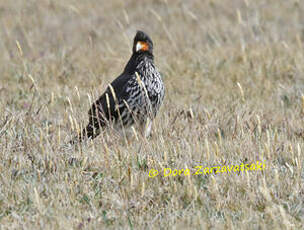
[234, 80]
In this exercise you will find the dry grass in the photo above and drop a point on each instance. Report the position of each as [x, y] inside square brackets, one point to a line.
[234, 75]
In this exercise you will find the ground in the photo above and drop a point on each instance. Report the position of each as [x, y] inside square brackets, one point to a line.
[234, 77]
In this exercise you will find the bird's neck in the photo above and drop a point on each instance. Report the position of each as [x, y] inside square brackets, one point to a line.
[136, 60]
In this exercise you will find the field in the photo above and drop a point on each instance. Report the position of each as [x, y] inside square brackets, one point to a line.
[234, 77]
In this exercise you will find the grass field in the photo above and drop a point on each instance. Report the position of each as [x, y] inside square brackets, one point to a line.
[234, 77]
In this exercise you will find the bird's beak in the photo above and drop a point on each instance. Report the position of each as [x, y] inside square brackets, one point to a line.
[143, 46]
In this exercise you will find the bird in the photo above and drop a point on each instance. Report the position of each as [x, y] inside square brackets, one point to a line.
[133, 98]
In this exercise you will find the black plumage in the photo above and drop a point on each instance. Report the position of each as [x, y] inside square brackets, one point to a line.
[134, 97]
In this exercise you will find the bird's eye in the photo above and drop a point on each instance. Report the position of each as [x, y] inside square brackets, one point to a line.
[143, 46]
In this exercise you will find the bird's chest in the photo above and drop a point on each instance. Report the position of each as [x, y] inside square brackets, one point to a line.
[153, 86]
[151, 79]
[152, 89]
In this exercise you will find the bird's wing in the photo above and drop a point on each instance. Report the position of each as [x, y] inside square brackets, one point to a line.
[107, 103]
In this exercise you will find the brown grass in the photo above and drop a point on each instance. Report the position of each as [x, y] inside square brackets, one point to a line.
[234, 76]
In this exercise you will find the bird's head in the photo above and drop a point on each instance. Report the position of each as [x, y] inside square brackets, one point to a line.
[142, 43]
